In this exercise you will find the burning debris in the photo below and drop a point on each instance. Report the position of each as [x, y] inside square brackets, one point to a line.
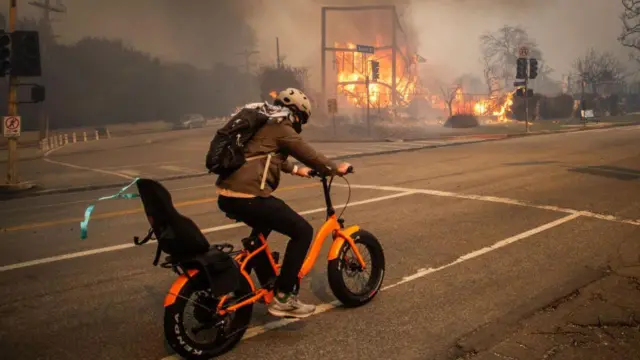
[497, 107]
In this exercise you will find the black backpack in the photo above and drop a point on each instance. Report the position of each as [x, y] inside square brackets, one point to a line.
[226, 150]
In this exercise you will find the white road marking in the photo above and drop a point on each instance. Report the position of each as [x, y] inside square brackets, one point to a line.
[142, 165]
[11, 209]
[179, 169]
[429, 142]
[88, 168]
[52, 151]
[382, 147]
[132, 173]
[398, 145]
[365, 150]
[331, 153]
[257, 330]
[495, 199]
[205, 231]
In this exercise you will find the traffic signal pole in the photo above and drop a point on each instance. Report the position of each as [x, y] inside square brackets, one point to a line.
[12, 161]
[526, 103]
[368, 100]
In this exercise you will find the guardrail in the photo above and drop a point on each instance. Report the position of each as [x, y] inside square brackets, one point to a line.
[62, 139]
[59, 140]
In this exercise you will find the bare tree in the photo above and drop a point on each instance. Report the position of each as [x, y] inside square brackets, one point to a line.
[449, 94]
[596, 69]
[490, 71]
[500, 49]
[630, 25]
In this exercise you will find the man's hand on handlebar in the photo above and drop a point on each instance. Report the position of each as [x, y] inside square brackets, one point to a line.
[343, 169]
[305, 172]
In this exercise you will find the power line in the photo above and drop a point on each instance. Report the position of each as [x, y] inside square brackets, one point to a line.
[47, 9]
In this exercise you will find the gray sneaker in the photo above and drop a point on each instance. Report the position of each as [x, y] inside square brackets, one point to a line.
[288, 305]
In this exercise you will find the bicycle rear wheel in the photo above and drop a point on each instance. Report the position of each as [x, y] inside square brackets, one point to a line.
[346, 266]
[221, 333]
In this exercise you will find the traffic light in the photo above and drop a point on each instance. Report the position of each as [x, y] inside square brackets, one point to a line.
[37, 93]
[5, 54]
[375, 70]
[533, 68]
[521, 71]
[25, 46]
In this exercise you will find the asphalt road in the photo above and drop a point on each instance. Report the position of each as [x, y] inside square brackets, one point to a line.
[475, 234]
[161, 155]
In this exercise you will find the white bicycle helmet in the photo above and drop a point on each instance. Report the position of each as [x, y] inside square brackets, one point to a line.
[297, 101]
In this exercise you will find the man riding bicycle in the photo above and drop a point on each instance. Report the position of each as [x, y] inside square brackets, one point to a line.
[245, 194]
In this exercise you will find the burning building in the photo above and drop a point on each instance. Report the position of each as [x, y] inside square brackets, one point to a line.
[367, 34]
[378, 37]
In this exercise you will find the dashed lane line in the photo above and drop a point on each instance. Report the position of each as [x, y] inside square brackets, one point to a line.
[205, 231]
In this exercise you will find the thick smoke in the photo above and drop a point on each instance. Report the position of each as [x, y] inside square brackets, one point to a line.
[445, 32]
[201, 32]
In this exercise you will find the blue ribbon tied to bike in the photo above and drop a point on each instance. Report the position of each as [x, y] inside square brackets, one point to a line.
[119, 195]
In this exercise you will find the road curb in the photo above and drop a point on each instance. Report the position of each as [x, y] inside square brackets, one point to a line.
[8, 189]
[26, 158]
[480, 138]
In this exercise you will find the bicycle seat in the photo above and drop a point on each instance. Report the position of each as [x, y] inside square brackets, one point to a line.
[177, 235]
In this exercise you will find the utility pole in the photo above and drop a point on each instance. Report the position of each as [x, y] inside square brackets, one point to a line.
[278, 64]
[12, 163]
[368, 100]
[583, 119]
[526, 103]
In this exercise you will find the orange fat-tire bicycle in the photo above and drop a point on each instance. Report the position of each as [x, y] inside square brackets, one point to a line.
[216, 281]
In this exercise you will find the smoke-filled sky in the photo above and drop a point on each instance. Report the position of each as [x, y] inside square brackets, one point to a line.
[203, 32]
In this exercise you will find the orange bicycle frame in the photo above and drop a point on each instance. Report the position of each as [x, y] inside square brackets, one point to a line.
[330, 227]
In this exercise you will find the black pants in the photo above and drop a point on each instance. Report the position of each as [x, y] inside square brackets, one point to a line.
[272, 214]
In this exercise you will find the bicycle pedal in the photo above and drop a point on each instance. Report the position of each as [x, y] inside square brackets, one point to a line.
[276, 257]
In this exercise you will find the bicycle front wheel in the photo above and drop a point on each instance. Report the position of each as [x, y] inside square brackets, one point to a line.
[345, 268]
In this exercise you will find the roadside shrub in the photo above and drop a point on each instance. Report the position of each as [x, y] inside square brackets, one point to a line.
[556, 107]
[462, 121]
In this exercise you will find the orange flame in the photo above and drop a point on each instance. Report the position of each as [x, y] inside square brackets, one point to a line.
[484, 107]
[353, 68]
[273, 94]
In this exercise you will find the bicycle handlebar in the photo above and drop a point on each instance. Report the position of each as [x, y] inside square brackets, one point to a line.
[314, 173]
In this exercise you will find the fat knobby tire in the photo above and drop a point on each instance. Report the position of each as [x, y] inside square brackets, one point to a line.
[179, 340]
[376, 266]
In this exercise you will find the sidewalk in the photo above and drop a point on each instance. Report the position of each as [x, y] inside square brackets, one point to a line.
[598, 321]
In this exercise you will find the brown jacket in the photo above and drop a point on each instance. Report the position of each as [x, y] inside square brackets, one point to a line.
[272, 144]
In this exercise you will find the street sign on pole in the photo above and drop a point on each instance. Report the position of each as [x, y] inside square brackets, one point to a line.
[365, 49]
[12, 125]
[523, 52]
[332, 105]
